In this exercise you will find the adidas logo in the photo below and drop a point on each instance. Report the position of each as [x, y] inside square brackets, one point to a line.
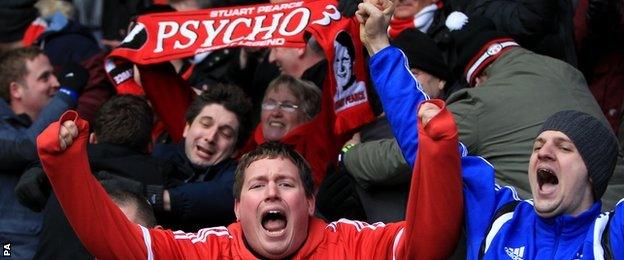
[515, 253]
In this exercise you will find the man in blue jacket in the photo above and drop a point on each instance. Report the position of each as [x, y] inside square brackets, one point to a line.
[572, 160]
[30, 98]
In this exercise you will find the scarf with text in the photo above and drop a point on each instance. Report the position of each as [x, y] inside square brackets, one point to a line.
[163, 37]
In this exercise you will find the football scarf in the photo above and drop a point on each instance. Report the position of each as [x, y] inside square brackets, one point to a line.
[166, 36]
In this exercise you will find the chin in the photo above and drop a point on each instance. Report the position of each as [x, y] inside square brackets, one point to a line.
[546, 211]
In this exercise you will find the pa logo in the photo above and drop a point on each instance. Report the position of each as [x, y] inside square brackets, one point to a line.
[6, 250]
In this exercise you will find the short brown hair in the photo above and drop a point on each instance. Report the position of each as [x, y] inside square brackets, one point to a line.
[125, 120]
[13, 67]
[273, 150]
[308, 93]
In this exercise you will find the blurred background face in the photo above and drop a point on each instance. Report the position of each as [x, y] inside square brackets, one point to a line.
[277, 122]
[408, 8]
[288, 60]
[432, 85]
[37, 88]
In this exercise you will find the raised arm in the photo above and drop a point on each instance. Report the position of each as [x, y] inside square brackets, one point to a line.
[100, 225]
[399, 91]
[170, 95]
[435, 204]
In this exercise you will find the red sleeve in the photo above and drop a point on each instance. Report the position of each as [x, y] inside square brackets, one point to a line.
[169, 94]
[435, 205]
[100, 225]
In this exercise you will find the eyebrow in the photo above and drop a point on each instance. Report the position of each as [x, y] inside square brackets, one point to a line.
[203, 118]
[279, 177]
[557, 140]
[44, 75]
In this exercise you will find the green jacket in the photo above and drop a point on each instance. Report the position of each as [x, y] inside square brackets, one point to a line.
[498, 120]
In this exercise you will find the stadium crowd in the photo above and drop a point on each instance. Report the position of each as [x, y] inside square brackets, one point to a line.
[402, 129]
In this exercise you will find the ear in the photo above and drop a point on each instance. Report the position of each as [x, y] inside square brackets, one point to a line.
[186, 129]
[16, 91]
[236, 209]
[93, 138]
[301, 52]
[311, 205]
[441, 84]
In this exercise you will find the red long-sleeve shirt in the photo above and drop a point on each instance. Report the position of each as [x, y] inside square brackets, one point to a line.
[430, 230]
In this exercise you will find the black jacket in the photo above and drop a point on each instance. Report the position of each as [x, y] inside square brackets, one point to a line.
[203, 197]
[58, 240]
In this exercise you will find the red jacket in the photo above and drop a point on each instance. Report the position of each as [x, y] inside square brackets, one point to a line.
[429, 232]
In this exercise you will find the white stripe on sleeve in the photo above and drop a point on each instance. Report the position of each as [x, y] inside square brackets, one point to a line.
[148, 242]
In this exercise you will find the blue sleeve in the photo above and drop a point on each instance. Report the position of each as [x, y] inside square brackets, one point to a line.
[400, 95]
[17, 147]
[616, 235]
[482, 198]
[208, 201]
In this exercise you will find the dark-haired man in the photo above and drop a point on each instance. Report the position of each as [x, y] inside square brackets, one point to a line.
[217, 126]
[134, 206]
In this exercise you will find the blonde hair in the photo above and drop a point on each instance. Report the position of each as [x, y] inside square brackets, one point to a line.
[49, 7]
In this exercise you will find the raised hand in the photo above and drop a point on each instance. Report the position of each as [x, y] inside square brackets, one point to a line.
[427, 111]
[374, 17]
[68, 132]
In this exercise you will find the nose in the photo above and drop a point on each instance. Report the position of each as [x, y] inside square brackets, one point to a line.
[54, 82]
[211, 134]
[546, 152]
[271, 191]
[276, 112]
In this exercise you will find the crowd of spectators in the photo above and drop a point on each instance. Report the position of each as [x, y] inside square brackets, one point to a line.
[495, 134]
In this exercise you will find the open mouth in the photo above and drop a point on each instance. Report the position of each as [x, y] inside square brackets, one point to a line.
[205, 151]
[547, 179]
[276, 124]
[274, 221]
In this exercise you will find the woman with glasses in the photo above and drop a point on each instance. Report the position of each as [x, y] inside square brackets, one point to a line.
[291, 114]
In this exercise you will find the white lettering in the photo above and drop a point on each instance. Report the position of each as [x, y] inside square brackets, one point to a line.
[189, 34]
[227, 37]
[269, 29]
[212, 33]
[303, 22]
[163, 34]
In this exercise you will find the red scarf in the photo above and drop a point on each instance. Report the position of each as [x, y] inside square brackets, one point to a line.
[166, 36]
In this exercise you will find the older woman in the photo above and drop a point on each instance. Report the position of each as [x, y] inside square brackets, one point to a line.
[288, 103]
[291, 114]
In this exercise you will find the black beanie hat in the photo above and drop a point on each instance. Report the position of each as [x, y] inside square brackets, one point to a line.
[422, 53]
[595, 142]
[477, 43]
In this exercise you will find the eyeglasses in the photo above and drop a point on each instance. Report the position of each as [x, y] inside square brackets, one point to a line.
[286, 107]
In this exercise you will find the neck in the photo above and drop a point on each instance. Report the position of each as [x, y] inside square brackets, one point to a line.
[20, 109]
[308, 62]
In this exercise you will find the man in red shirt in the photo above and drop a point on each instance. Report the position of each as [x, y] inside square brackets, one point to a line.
[274, 205]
